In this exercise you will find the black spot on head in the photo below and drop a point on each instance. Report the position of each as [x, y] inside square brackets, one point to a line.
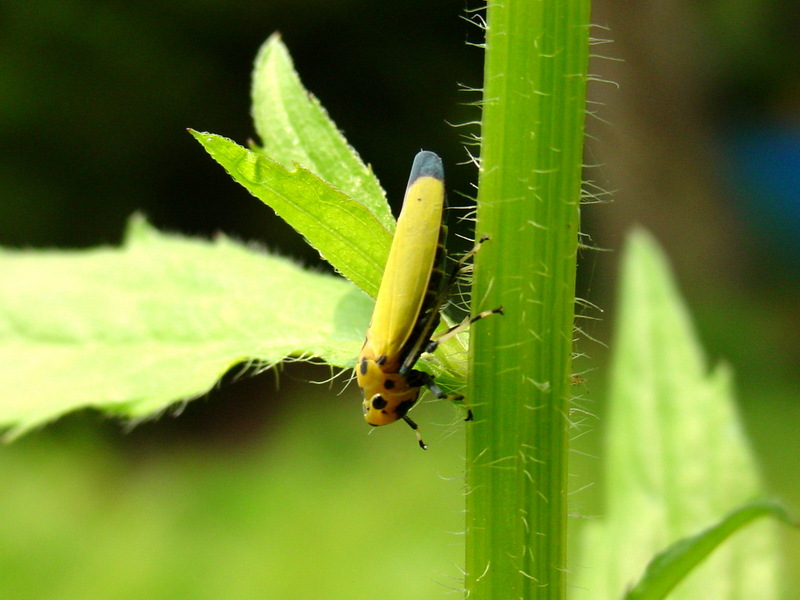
[403, 408]
[381, 360]
[363, 366]
[379, 402]
[388, 384]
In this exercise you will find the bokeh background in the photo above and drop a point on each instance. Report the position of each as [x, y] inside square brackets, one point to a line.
[269, 486]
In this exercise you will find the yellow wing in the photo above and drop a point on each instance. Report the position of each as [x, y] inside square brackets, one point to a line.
[411, 258]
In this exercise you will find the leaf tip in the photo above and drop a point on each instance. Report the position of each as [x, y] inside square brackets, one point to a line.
[137, 228]
[272, 49]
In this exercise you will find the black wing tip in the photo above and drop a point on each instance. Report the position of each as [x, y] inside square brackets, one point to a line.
[426, 164]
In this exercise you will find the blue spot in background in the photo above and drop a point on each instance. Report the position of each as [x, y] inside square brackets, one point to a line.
[764, 169]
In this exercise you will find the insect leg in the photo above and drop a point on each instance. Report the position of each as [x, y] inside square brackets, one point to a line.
[421, 378]
[456, 329]
[415, 427]
[461, 265]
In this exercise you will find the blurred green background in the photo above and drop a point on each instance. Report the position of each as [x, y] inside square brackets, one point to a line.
[266, 490]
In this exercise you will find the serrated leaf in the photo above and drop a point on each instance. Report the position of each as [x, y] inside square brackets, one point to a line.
[677, 460]
[295, 129]
[344, 232]
[132, 329]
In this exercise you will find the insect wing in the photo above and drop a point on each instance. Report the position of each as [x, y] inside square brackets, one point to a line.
[411, 260]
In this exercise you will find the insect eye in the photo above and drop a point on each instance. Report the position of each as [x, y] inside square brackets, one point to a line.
[379, 402]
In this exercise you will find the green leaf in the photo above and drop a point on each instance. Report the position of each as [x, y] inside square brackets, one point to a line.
[676, 457]
[344, 232]
[308, 173]
[136, 328]
[295, 129]
[667, 569]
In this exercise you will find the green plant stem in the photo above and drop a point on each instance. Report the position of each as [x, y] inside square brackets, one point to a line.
[520, 376]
